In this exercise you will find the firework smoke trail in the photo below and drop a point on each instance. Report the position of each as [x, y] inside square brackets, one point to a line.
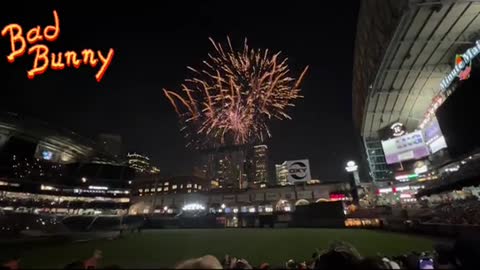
[231, 100]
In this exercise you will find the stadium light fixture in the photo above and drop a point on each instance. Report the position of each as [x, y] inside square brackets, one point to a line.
[223, 206]
[98, 187]
[351, 166]
[193, 207]
[84, 179]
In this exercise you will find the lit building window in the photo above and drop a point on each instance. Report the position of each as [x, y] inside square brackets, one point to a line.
[174, 186]
[195, 186]
[189, 191]
[159, 189]
[140, 190]
[200, 187]
[189, 185]
[165, 189]
[166, 184]
[181, 186]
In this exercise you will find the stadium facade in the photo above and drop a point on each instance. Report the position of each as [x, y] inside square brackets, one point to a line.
[406, 53]
[273, 199]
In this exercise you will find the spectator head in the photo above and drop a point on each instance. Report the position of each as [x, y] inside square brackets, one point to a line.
[335, 260]
[242, 264]
[290, 264]
[340, 255]
[264, 266]
[205, 262]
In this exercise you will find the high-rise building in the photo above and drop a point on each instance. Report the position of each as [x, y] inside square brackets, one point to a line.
[111, 144]
[224, 167]
[141, 164]
[260, 162]
[200, 171]
[281, 173]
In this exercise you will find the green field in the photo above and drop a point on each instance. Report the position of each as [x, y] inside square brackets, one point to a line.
[164, 248]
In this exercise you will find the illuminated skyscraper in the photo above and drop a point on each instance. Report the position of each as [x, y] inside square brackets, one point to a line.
[260, 162]
[224, 167]
[141, 164]
[281, 173]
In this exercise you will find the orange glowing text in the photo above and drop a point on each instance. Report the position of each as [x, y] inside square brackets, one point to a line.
[44, 59]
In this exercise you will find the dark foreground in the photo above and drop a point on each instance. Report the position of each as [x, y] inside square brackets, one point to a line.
[164, 248]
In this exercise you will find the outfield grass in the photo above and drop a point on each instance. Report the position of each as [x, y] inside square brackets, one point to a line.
[164, 248]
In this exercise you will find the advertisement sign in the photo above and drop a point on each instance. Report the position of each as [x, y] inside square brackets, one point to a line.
[434, 137]
[465, 73]
[398, 129]
[462, 68]
[395, 129]
[406, 147]
[298, 170]
[437, 145]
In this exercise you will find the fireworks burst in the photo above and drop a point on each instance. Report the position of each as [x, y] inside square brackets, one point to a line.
[231, 100]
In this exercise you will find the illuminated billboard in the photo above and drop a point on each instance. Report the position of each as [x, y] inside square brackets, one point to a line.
[407, 147]
[434, 137]
[298, 170]
[462, 68]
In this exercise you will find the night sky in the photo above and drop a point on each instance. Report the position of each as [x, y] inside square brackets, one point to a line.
[154, 44]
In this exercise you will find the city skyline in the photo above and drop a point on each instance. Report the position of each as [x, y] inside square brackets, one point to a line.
[129, 101]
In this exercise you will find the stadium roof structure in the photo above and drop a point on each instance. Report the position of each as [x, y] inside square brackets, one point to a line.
[421, 52]
[61, 140]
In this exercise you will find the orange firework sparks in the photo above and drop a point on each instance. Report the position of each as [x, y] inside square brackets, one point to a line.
[230, 101]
